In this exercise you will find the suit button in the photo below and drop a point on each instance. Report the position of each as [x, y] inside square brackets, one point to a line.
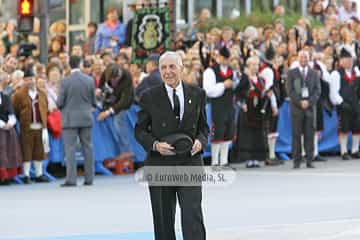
[194, 126]
[163, 124]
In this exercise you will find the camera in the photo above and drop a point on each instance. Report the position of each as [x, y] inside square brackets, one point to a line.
[107, 97]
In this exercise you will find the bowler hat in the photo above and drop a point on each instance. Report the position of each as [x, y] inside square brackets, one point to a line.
[270, 53]
[224, 51]
[182, 143]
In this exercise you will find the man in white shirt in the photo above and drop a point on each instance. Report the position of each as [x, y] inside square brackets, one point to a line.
[344, 93]
[218, 85]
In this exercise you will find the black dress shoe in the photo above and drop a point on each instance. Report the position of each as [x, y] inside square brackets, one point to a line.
[88, 183]
[296, 166]
[27, 180]
[41, 179]
[355, 155]
[319, 158]
[68, 184]
[345, 157]
[297, 163]
[310, 165]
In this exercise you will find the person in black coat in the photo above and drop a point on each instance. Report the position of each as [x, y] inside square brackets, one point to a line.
[173, 108]
[153, 79]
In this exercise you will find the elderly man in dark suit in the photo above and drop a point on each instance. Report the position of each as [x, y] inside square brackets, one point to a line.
[172, 108]
[304, 89]
[76, 102]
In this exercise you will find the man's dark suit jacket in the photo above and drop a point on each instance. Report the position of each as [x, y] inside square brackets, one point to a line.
[294, 84]
[156, 120]
[153, 80]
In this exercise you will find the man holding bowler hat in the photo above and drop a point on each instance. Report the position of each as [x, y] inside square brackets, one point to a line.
[173, 130]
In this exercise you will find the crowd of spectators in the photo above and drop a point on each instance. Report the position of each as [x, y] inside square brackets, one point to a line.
[106, 45]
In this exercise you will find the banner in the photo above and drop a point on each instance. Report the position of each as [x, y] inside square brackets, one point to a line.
[151, 33]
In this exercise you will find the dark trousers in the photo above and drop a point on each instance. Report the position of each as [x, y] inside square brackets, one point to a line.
[303, 122]
[163, 202]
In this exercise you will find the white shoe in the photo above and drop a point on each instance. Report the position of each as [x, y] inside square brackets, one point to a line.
[256, 164]
[250, 164]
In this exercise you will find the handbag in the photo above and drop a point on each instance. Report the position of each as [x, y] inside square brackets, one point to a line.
[54, 123]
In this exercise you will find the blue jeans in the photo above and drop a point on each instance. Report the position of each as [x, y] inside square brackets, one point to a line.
[122, 131]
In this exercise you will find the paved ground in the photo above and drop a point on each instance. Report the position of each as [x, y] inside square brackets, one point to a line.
[263, 204]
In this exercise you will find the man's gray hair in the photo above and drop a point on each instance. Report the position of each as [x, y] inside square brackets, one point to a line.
[171, 54]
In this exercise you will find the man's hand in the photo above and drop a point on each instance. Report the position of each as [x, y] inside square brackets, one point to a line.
[275, 111]
[53, 109]
[103, 115]
[197, 147]
[164, 149]
[244, 108]
[7, 126]
[269, 93]
[228, 83]
[304, 104]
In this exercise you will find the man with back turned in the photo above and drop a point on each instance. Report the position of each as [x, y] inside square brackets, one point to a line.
[76, 102]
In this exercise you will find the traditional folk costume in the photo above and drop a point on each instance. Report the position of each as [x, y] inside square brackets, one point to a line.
[250, 144]
[272, 78]
[345, 94]
[222, 109]
[10, 152]
[31, 108]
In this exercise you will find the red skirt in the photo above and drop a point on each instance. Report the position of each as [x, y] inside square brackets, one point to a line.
[10, 154]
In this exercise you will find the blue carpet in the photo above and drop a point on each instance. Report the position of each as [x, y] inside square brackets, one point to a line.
[120, 236]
